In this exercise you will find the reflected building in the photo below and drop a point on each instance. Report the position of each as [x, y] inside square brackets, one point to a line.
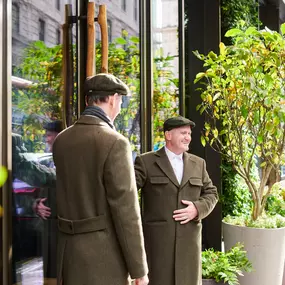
[165, 31]
[34, 20]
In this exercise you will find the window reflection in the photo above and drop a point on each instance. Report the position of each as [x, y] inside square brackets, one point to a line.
[124, 62]
[36, 103]
[36, 107]
[166, 69]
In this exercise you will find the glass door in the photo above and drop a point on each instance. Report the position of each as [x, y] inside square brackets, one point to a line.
[39, 114]
[37, 118]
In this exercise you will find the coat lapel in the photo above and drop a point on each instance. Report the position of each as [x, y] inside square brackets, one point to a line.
[164, 164]
[189, 165]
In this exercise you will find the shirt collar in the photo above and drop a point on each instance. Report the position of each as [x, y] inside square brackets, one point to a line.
[172, 155]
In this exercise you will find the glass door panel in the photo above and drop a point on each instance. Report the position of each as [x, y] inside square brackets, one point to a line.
[124, 62]
[36, 120]
[165, 65]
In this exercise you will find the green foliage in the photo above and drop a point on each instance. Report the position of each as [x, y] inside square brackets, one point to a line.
[234, 12]
[245, 93]
[125, 64]
[225, 266]
[236, 200]
[276, 201]
[265, 221]
[3, 175]
[40, 101]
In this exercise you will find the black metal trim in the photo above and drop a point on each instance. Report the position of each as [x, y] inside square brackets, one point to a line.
[146, 75]
[181, 49]
[82, 53]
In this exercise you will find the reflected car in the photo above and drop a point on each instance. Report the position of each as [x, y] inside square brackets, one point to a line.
[27, 226]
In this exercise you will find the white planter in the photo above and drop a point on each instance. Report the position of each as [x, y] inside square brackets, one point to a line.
[265, 249]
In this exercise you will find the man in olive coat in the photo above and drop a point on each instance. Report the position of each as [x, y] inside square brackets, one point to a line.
[177, 194]
[100, 233]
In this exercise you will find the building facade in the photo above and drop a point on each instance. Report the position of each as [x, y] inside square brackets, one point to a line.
[34, 20]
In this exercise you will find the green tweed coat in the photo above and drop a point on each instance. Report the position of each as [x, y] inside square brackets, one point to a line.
[100, 232]
[173, 250]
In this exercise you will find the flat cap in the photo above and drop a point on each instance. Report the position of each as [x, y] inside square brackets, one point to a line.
[54, 126]
[177, 122]
[104, 84]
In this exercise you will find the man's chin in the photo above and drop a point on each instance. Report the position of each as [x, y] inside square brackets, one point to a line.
[185, 148]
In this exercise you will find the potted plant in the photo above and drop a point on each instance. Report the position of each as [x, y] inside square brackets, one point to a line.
[224, 267]
[244, 99]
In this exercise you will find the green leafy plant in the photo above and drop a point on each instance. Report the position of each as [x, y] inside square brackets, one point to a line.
[276, 201]
[234, 12]
[235, 198]
[225, 266]
[244, 99]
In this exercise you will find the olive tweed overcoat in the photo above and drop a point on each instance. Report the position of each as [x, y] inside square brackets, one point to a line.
[173, 250]
[100, 232]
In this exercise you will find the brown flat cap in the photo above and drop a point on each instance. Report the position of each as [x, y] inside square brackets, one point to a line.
[104, 84]
[54, 126]
[177, 122]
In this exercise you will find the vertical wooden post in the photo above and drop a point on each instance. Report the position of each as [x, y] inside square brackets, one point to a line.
[90, 64]
[102, 20]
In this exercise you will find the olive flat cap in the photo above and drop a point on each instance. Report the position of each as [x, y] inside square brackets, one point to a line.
[54, 126]
[177, 122]
[104, 84]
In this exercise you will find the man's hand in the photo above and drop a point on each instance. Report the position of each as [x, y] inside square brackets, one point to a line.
[187, 214]
[41, 210]
[142, 281]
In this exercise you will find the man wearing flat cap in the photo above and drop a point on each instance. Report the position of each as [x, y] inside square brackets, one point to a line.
[177, 194]
[100, 232]
[44, 177]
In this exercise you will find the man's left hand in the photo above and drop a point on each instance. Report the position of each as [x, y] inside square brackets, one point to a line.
[187, 214]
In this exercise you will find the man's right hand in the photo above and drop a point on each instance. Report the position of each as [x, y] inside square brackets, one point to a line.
[142, 281]
[41, 210]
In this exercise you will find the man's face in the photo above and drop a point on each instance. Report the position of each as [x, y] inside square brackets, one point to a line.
[178, 139]
[50, 137]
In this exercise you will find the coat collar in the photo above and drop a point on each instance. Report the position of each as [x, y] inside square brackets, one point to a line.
[91, 120]
[189, 165]
[164, 164]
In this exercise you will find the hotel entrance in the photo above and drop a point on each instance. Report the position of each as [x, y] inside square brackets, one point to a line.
[48, 48]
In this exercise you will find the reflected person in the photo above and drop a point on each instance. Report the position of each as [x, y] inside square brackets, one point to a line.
[43, 176]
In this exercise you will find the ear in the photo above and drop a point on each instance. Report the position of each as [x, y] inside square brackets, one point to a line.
[86, 101]
[111, 101]
[167, 135]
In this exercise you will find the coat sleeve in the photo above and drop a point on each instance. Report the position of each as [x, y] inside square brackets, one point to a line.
[209, 196]
[140, 171]
[121, 190]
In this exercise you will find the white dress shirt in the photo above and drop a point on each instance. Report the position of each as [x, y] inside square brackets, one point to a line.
[176, 161]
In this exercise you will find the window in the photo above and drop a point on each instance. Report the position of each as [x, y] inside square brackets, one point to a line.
[58, 37]
[124, 36]
[16, 18]
[42, 30]
[135, 10]
[109, 23]
[58, 4]
[124, 5]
